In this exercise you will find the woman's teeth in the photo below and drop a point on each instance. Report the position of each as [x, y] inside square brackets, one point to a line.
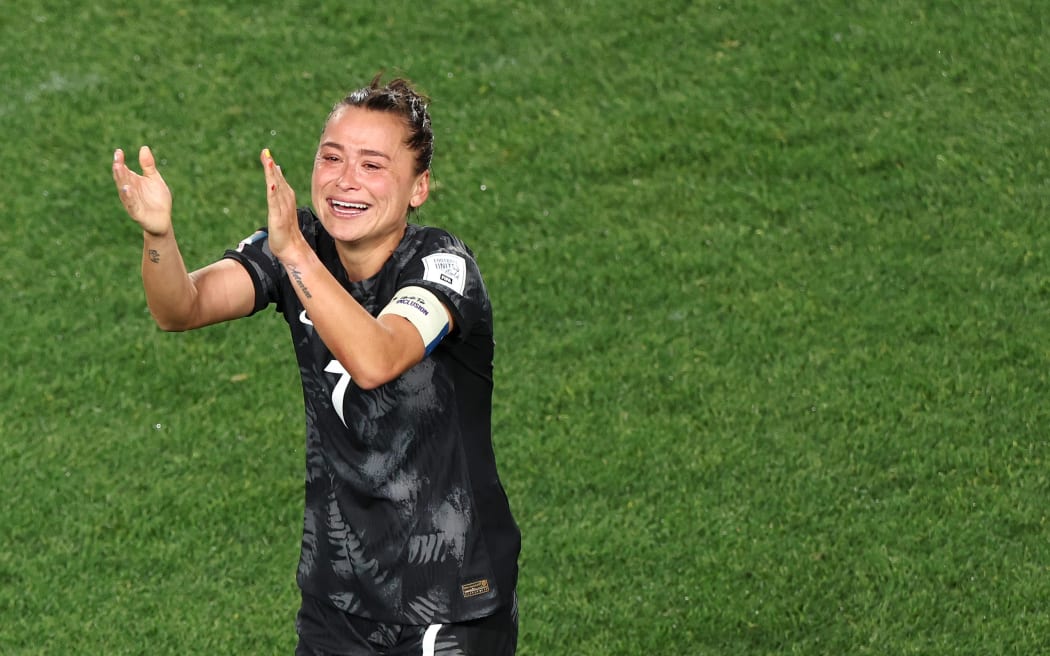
[340, 205]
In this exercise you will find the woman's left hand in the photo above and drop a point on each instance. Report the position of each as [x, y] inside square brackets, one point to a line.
[282, 218]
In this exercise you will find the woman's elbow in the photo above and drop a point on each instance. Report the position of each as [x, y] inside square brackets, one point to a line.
[171, 327]
[371, 376]
[369, 382]
[171, 324]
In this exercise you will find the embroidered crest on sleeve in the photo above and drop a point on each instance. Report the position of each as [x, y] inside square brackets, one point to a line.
[446, 269]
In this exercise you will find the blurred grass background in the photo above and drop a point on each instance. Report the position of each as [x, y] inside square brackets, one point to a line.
[772, 299]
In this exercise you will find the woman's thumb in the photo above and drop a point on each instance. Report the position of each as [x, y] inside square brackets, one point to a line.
[147, 161]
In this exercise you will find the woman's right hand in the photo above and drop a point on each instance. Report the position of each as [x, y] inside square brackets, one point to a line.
[146, 197]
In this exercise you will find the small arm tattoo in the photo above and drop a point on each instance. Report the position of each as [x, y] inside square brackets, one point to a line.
[154, 256]
[297, 276]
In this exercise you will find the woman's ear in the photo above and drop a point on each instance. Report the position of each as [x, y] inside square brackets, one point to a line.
[421, 190]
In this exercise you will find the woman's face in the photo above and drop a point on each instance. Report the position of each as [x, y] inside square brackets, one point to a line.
[364, 178]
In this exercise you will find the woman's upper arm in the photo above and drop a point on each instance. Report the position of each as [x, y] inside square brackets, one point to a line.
[224, 291]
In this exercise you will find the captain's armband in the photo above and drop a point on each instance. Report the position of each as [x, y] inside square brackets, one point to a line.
[424, 310]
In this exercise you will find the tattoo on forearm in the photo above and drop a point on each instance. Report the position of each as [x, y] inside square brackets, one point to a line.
[297, 276]
[154, 256]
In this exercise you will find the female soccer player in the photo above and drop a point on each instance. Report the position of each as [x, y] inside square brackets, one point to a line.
[409, 546]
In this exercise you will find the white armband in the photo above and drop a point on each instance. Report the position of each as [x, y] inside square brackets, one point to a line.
[424, 310]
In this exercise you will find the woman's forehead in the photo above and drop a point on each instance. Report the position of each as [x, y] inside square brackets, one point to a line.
[357, 127]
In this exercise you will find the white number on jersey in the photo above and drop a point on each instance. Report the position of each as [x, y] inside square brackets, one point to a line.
[339, 393]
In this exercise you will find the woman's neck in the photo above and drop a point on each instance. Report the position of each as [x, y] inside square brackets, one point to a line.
[362, 260]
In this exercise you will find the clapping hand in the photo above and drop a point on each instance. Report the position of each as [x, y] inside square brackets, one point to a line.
[146, 197]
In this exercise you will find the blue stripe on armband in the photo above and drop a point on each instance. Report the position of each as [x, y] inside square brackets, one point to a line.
[437, 340]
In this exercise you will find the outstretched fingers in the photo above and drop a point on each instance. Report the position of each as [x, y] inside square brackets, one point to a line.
[274, 174]
[120, 171]
[146, 197]
[124, 178]
[280, 201]
[280, 194]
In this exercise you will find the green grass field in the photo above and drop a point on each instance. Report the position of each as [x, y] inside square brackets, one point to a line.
[773, 317]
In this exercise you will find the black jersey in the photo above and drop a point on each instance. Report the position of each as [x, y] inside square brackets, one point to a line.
[405, 518]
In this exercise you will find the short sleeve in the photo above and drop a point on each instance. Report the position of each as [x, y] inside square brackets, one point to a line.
[446, 267]
[254, 255]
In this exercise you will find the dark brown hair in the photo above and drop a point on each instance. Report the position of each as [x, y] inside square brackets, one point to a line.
[397, 97]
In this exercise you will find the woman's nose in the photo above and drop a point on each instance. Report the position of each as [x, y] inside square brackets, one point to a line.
[347, 179]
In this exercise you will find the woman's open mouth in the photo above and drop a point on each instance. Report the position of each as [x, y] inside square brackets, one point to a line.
[346, 208]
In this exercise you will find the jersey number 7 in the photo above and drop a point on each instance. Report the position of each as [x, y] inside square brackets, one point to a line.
[339, 393]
